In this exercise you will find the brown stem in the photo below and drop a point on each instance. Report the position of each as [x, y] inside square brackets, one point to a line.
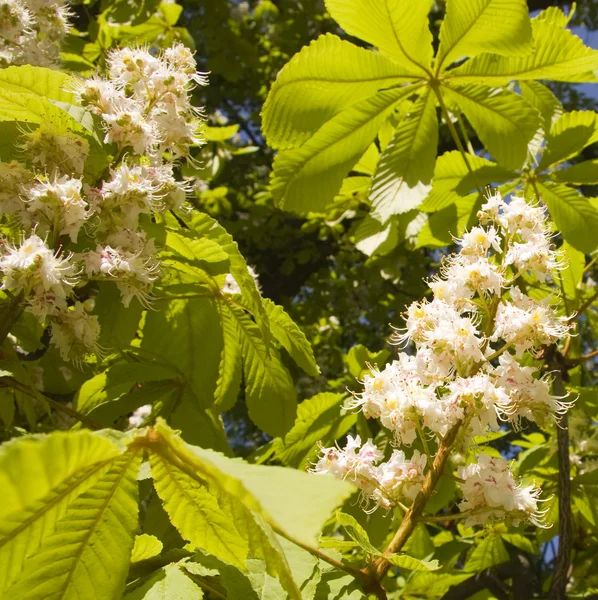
[563, 558]
[380, 566]
[584, 307]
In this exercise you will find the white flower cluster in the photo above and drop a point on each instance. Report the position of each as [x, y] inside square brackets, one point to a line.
[146, 109]
[386, 483]
[465, 371]
[31, 31]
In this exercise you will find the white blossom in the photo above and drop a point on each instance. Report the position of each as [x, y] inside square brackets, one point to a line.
[75, 333]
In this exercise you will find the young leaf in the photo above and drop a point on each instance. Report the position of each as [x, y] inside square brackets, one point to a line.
[145, 546]
[168, 583]
[573, 214]
[399, 28]
[572, 274]
[489, 552]
[402, 179]
[292, 339]
[270, 392]
[87, 554]
[49, 83]
[413, 564]
[503, 120]
[357, 533]
[307, 178]
[319, 419]
[471, 27]
[40, 476]
[557, 55]
[321, 80]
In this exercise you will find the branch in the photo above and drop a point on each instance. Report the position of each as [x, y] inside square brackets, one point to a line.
[380, 566]
[563, 559]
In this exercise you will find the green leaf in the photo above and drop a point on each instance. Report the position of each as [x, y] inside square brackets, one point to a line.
[119, 324]
[583, 173]
[219, 134]
[572, 275]
[292, 339]
[399, 28]
[183, 334]
[319, 419]
[569, 135]
[471, 27]
[413, 564]
[40, 476]
[453, 180]
[357, 533]
[116, 381]
[324, 78]
[230, 368]
[40, 81]
[307, 178]
[583, 504]
[519, 541]
[555, 16]
[193, 250]
[573, 214]
[373, 237]
[359, 358]
[402, 179]
[270, 392]
[558, 55]
[168, 583]
[221, 505]
[489, 552]
[145, 546]
[504, 121]
[204, 225]
[543, 100]
[91, 542]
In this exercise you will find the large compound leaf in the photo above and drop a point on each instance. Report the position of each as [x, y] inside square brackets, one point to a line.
[40, 476]
[503, 120]
[184, 334]
[557, 55]
[317, 83]
[543, 100]
[569, 135]
[471, 27]
[574, 215]
[584, 173]
[87, 555]
[402, 179]
[453, 179]
[270, 393]
[292, 339]
[399, 28]
[307, 178]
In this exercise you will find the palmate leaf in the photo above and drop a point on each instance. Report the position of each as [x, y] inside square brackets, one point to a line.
[475, 26]
[573, 214]
[569, 135]
[307, 178]
[543, 100]
[292, 339]
[270, 393]
[557, 55]
[503, 120]
[203, 490]
[322, 79]
[402, 179]
[73, 536]
[399, 28]
[39, 477]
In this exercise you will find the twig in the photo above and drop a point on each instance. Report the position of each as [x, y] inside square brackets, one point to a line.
[563, 558]
[584, 307]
